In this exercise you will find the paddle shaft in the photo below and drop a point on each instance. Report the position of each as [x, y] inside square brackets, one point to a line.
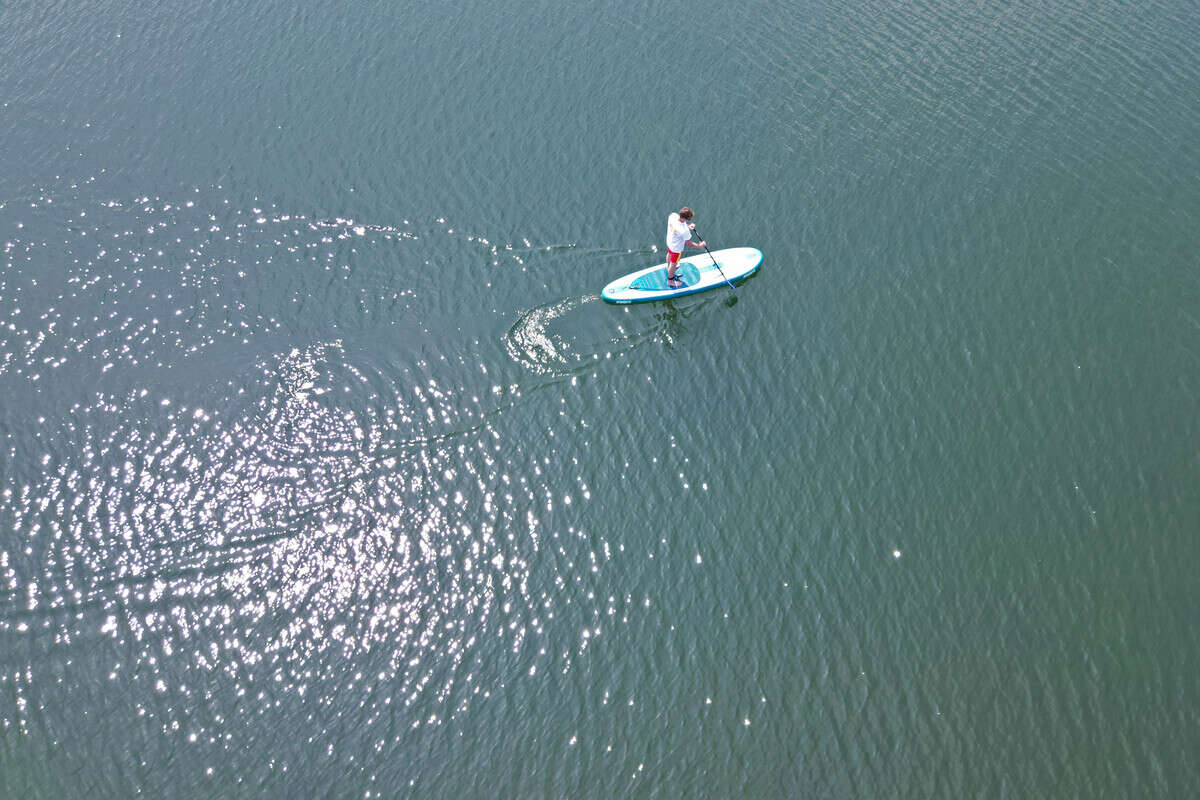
[714, 260]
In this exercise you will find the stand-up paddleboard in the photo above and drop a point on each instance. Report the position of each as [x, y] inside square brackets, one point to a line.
[697, 273]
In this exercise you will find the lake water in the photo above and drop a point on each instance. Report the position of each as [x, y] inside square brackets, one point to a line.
[325, 472]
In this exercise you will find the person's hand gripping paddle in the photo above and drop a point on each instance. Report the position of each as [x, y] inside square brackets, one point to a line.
[714, 259]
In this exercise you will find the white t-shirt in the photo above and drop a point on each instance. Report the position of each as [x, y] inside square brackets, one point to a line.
[678, 233]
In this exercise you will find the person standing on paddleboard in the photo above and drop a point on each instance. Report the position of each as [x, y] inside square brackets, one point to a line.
[679, 236]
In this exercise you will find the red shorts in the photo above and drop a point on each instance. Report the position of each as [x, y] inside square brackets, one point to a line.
[672, 257]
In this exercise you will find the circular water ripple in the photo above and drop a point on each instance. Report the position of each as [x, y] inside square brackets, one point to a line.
[554, 340]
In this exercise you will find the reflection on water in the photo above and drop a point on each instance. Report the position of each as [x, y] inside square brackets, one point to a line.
[296, 508]
[315, 523]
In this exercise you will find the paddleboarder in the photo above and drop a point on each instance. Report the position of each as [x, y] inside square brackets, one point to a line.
[679, 236]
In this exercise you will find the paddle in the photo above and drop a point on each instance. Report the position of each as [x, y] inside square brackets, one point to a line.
[714, 259]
